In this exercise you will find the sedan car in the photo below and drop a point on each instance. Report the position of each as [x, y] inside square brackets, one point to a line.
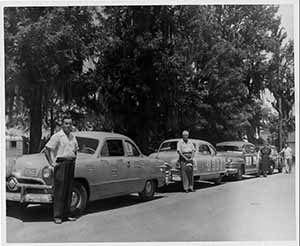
[107, 165]
[242, 158]
[208, 166]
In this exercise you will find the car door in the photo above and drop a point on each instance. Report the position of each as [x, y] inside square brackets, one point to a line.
[112, 167]
[135, 164]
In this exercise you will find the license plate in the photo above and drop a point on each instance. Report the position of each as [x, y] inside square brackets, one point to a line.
[30, 172]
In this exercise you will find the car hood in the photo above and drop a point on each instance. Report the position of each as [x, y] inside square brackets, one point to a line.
[32, 164]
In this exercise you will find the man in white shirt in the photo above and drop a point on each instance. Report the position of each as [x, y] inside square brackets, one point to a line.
[61, 151]
[186, 151]
[288, 157]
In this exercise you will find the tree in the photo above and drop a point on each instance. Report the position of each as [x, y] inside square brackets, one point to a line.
[44, 52]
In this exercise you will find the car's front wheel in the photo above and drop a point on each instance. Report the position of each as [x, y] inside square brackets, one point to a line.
[271, 170]
[79, 198]
[239, 174]
[149, 190]
[218, 180]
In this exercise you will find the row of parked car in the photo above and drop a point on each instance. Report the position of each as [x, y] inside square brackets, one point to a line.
[110, 164]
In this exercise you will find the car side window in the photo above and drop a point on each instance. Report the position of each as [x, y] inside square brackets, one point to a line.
[204, 149]
[131, 149]
[113, 147]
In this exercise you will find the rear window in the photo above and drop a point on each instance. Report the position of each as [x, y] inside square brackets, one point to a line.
[168, 146]
[228, 148]
[87, 145]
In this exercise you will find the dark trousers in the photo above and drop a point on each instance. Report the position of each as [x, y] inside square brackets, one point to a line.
[187, 175]
[63, 182]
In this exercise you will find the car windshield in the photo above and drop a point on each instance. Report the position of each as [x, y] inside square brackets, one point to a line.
[228, 148]
[168, 146]
[87, 145]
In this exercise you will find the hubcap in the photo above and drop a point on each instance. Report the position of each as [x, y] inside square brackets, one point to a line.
[75, 199]
[148, 187]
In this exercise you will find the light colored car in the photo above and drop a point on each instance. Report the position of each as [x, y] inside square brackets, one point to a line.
[107, 165]
[242, 158]
[208, 166]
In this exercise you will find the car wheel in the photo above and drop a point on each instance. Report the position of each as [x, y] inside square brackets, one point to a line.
[149, 190]
[239, 175]
[218, 180]
[79, 199]
[271, 169]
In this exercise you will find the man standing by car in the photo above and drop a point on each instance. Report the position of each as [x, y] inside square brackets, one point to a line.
[61, 151]
[287, 157]
[186, 151]
[265, 159]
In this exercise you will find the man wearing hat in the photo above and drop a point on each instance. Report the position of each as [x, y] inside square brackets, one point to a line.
[186, 151]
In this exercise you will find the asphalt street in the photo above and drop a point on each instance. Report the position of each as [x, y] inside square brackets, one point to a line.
[253, 209]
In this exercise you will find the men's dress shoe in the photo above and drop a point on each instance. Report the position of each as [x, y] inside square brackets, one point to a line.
[186, 191]
[72, 218]
[57, 220]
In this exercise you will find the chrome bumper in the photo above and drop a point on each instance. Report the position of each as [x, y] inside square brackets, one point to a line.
[230, 171]
[24, 197]
[29, 198]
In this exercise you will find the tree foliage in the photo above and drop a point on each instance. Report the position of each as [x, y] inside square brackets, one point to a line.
[149, 71]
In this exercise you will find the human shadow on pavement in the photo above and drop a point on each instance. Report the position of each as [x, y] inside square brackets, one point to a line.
[44, 213]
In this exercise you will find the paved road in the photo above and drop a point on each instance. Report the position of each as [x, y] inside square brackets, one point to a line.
[252, 209]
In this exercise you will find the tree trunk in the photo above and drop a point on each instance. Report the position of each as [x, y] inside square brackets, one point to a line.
[35, 113]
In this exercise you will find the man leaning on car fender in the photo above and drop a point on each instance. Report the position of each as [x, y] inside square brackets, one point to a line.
[61, 151]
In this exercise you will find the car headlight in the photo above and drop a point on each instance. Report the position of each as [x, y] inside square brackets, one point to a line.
[46, 173]
[12, 184]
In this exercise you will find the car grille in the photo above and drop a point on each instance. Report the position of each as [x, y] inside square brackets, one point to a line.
[30, 181]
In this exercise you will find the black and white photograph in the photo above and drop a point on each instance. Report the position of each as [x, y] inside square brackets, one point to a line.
[138, 122]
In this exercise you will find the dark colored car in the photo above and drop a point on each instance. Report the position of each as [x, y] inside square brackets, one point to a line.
[241, 158]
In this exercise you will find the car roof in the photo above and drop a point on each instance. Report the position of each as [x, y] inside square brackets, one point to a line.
[98, 134]
[233, 143]
[199, 141]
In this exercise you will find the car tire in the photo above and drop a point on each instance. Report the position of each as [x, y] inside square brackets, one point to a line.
[149, 190]
[239, 175]
[79, 199]
[271, 170]
[218, 180]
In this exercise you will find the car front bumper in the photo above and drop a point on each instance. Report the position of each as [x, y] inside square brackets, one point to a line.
[29, 197]
[24, 195]
[231, 171]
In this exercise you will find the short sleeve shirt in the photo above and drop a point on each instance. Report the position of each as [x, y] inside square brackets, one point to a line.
[185, 147]
[63, 146]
